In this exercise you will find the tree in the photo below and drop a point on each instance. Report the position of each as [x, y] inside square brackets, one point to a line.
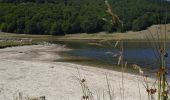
[108, 27]
[4, 27]
[144, 21]
[66, 27]
[56, 29]
[11, 27]
[30, 27]
[75, 26]
[20, 25]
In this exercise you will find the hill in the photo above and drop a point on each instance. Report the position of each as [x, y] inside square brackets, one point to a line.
[59, 17]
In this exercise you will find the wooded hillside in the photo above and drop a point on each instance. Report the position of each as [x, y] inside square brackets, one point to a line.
[59, 17]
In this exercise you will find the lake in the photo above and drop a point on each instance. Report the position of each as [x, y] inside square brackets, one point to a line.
[142, 53]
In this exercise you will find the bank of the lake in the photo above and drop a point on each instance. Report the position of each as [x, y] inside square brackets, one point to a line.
[34, 71]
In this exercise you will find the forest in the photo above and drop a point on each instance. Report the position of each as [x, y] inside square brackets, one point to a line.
[60, 17]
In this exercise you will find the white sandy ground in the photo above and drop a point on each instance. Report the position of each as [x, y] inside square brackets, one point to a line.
[32, 71]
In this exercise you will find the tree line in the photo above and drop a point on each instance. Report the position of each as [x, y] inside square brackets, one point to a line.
[60, 17]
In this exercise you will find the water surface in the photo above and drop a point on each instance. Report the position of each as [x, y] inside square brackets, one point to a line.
[142, 53]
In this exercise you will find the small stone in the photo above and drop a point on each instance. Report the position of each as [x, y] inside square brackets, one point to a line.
[52, 67]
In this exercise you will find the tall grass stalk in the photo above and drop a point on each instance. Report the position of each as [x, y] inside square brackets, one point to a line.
[122, 65]
[163, 88]
[87, 94]
[109, 88]
[117, 21]
[139, 88]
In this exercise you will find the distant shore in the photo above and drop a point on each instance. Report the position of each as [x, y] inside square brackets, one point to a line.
[155, 31]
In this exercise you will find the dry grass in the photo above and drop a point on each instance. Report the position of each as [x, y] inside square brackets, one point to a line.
[114, 36]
